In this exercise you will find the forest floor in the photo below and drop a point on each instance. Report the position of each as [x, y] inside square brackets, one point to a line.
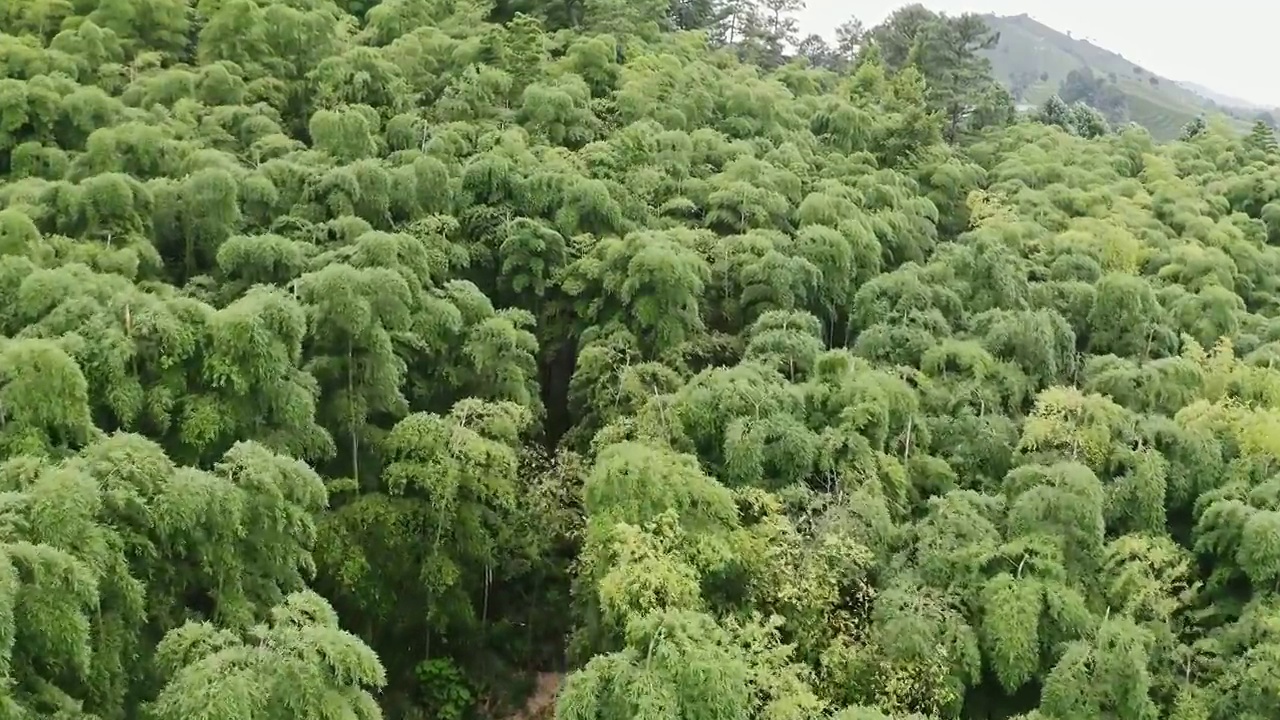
[541, 704]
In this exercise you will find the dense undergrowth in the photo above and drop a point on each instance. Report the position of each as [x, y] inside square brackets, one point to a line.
[366, 361]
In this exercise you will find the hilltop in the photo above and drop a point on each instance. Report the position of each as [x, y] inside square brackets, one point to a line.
[1222, 99]
[1033, 60]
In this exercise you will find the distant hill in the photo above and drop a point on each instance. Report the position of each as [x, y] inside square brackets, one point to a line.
[1032, 59]
[1221, 99]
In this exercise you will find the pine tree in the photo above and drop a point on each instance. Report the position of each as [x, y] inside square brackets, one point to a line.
[1262, 138]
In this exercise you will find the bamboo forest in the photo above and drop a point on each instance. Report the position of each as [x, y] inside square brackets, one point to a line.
[619, 359]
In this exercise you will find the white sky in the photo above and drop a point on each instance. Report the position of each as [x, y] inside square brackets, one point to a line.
[1226, 45]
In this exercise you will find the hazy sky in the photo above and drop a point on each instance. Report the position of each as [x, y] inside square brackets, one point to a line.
[1225, 45]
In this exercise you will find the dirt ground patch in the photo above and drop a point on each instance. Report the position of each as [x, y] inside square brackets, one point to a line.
[541, 704]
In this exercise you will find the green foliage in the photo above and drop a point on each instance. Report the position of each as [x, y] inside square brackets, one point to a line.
[363, 360]
[298, 664]
[444, 689]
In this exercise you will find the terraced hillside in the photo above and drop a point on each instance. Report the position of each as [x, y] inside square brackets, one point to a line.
[1032, 59]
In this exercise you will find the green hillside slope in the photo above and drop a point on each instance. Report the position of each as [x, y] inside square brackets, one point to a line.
[1033, 59]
